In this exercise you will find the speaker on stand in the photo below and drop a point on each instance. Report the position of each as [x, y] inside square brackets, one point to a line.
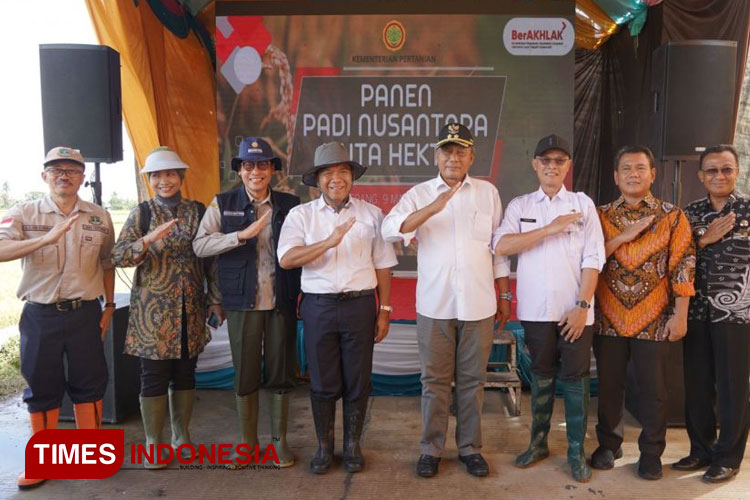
[693, 88]
[81, 103]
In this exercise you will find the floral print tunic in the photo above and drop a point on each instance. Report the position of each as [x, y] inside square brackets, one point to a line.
[168, 277]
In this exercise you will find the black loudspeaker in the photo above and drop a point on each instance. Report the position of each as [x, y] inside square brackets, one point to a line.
[124, 383]
[693, 87]
[81, 100]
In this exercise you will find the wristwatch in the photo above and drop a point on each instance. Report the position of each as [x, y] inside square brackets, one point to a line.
[386, 308]
[110, 304]
[506, 296]
[583, 304]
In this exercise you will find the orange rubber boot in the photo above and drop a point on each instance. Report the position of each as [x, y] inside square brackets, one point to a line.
[40, 420]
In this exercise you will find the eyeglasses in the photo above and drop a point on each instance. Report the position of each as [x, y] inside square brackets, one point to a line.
[547, 161]
[59, 172]
[725, 171]
[248, 166]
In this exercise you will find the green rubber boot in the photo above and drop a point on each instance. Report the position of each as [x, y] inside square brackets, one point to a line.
[153, 412]
[576, 417]
[247, 413]
[542, 403]
[279, 404]
[180, 412]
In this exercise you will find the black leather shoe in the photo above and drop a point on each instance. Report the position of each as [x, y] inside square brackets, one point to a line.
[476, 465]
[649, 467]
[719, 474]
[604, 458]
[690, 463]
[427, 465]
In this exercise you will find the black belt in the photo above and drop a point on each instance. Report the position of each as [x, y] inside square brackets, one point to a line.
[64, 305]
[344, 295]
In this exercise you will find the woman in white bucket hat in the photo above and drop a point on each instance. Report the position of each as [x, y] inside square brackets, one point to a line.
[168, 306]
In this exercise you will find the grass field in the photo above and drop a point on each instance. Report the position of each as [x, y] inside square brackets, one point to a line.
[10, 312]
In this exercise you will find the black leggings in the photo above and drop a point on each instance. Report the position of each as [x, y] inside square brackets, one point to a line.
[158, 375]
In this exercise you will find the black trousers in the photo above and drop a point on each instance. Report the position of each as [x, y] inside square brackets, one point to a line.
[552, 356]
[339, 339]
[158, 375]
[717, 363]
[650, 363]
[46, 336]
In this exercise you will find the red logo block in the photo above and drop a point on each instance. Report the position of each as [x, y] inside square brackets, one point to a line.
[75, 453]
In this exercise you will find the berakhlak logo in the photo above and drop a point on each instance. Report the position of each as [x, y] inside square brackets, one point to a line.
[394, 35]
[75, 453]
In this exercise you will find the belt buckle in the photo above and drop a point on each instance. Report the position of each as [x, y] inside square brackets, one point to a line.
[68, 305]
[345, 295]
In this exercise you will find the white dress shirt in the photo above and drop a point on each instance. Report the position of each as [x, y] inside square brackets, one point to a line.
[455, 265]
[549, 274]
[351, 265]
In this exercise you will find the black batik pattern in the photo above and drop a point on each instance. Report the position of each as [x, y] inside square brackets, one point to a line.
[723, 269]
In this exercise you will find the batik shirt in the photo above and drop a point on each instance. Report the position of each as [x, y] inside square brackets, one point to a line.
[723, 268]
[641, 278]
[169, 280]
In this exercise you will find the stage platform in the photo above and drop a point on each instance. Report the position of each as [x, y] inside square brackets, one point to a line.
[391, 438]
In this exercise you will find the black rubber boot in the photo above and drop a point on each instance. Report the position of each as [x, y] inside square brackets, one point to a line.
[354, 419]
[324, 414]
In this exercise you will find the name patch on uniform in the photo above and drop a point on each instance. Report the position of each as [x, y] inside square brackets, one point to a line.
[36, 228]
[88, 227]
[523, 219]
[235, 213]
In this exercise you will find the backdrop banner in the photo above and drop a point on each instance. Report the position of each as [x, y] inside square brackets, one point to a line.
[384, 77]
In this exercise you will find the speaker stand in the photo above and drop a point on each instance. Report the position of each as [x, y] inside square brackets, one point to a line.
[96, 184]
[677, 183]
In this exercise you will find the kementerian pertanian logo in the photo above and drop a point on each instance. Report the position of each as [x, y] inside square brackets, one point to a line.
[394, 35]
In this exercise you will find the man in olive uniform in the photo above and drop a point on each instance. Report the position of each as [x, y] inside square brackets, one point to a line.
[242, 227]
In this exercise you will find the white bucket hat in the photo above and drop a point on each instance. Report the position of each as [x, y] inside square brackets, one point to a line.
[163, 158]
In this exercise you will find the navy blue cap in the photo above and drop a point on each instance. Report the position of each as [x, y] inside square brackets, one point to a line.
[255, 149]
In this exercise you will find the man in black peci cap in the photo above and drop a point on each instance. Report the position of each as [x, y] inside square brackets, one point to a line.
[453, 216]
[345, 264]
[242, 227]
[558, 239]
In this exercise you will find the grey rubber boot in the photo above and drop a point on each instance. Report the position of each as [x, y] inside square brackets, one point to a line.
[153, 412]
[180, 411]
[279, 410]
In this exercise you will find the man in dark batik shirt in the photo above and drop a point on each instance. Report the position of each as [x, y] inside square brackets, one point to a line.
[717, 346]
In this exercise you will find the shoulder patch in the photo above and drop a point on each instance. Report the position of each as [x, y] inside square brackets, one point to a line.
[6, 222]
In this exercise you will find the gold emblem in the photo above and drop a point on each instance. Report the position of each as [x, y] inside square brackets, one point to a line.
[254, 144]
